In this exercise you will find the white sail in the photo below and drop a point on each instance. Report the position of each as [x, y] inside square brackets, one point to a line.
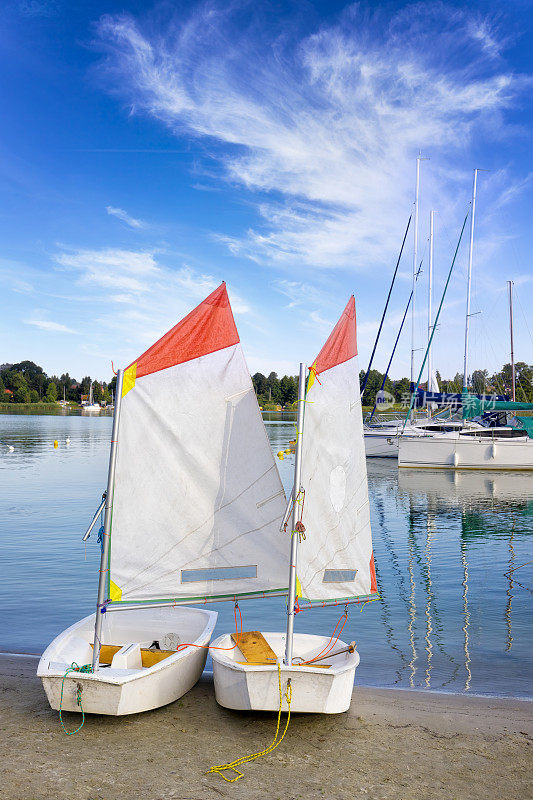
[335, 560]
[433, 383]
[198, 499]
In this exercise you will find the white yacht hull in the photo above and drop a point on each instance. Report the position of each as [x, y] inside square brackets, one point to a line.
[444, 452]
[381, 444]
[246, 687]
[119, 691]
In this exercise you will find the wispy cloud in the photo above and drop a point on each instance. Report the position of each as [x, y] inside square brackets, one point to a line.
[48, 325]
[140, 296]
[328, 122]
[122, 215]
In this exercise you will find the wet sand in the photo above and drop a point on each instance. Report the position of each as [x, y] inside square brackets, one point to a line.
[391, 744]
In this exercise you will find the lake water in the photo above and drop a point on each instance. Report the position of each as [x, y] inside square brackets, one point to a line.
[453, 558]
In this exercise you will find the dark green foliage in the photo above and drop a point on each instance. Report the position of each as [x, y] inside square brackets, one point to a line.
[275, 391]
[26, 382]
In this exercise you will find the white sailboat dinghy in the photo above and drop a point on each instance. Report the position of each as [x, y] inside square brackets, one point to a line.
[192, 514]
[331, 561]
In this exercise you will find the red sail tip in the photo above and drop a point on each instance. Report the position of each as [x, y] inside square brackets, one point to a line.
[373, 581]
[208, 328]
[342, 342]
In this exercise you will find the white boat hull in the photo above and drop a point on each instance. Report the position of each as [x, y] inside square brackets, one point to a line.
[246, 687]
[381, 444]
[118, 691]
[444, 452]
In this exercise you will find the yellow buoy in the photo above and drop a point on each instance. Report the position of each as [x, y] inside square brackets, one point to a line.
[280, 454]
[56, 443]
[288, 450]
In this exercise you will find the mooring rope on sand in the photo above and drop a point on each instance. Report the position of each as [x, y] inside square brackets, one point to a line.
[219, 770]
[86, 668]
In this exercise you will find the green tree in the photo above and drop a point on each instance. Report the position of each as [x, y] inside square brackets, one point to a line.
[288, 390]
[400, 389]
[480, 380]
[22, 394]
[373, 386]
[273, 388]
[51, 392]
[34, 396]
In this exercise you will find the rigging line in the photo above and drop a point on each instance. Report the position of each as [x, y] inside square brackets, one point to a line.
[413, 395]
[386, 306]
[392, 354]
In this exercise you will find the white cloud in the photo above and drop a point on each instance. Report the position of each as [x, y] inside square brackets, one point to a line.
[125, 217]
[47, 325]
[112, 268]
[139, 297]
[330, 122]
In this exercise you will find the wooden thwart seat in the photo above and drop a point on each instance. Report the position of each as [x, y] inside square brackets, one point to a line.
[257, 650]
[254, 648]
[148, 657]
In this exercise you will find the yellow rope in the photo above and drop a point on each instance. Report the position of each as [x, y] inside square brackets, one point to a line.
[240, 761]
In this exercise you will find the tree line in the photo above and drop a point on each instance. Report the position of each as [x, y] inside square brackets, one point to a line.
[26, 382]
[272, 391]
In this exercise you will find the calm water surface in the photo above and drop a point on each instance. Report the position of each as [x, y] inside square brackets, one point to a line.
[452, 551]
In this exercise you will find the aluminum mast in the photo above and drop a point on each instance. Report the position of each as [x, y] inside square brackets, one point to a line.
[430, 295]
[294, 535]
[104, 560]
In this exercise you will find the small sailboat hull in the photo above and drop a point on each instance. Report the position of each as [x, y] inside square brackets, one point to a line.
[128, 688]
[319, 690]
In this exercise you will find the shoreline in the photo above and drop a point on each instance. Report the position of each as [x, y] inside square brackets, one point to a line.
[209, 673]
[399, 744]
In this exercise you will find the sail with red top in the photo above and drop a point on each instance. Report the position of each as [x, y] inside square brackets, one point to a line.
[197, 499]
[335, 560]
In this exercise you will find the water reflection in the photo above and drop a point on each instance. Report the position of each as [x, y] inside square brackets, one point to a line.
[453, 554]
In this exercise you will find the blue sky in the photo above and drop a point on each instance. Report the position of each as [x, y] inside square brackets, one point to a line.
[150, 151]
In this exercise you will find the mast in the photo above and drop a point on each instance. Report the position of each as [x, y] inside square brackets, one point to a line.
[510, 283]
[104, 560]
[295, 508]
[430, 295]
[415, 260]
[469, 280]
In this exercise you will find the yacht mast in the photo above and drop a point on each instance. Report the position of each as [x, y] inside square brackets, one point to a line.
[469, 280]
[430, 296]
[510, 283]
[415, 260]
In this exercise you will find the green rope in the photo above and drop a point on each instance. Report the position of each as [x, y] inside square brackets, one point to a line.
[73, 668]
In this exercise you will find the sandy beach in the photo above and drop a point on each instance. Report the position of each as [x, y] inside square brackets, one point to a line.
[390, 744]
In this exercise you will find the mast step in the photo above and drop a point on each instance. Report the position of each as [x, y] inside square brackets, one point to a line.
[254, 647]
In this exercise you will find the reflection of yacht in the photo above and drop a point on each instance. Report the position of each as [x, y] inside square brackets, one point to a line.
[479, 485]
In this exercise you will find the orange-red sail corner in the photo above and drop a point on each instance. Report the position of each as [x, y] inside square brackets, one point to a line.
[342, 342]
[373, 581]
[208, 328]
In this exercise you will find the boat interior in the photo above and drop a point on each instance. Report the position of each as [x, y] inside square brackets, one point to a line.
[131, 639]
